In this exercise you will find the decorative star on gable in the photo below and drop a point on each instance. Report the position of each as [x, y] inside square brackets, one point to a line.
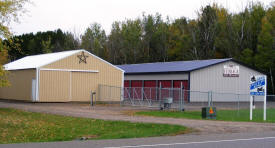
[82, 57]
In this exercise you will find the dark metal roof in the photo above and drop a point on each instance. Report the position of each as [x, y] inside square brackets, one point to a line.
[170, 67]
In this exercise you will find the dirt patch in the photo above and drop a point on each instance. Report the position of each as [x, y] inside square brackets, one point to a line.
[129, 112]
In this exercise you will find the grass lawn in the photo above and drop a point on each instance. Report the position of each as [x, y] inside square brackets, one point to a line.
[225, 115]
[21, 126]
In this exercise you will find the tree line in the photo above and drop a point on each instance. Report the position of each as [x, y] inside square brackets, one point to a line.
[247, 36]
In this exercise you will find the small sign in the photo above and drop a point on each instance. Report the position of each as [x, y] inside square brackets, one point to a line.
[257, 85]
[231, 71]
[211, 111]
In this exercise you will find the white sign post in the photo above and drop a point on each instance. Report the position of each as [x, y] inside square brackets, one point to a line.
[251, 107]
[265, 99]
[257, 88]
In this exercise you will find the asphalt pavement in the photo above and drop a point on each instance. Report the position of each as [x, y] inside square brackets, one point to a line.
[233, 140]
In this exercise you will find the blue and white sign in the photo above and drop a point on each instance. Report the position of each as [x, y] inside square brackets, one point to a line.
[257, 85]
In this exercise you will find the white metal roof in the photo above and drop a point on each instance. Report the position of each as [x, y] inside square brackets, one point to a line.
[37, 61]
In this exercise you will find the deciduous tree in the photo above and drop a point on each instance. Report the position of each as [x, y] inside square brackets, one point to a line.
[9, 11]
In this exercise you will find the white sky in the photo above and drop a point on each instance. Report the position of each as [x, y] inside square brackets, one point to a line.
[77, 15]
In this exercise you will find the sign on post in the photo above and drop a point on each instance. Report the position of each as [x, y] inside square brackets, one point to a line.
[257, 85]
[257, 88]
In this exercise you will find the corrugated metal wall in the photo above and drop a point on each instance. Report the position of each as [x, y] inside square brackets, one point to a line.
[80, 83]
[54, 86]
[157, 77]
[212, 79]
[21, 85]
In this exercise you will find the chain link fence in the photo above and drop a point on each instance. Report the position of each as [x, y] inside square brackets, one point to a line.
[179, 99]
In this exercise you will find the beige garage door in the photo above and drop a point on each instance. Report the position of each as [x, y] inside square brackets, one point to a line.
[82, 85]
[54, 86]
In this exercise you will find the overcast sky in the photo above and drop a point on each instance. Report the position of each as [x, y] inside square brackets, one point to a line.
[77, 15]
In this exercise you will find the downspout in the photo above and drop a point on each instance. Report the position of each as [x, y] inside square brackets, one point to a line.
[189, 87]
[122, 88]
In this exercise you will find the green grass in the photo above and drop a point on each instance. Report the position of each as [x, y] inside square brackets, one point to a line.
[20, 126]
[225, 115]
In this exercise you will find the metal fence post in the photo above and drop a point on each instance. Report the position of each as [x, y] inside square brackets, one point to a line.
[92, 98]
[157, 90]
[238, 104]
[99, 92]
[208, 98]
[110, 91]
[181, 96]
[160, 95]
[150, 93]
[91, 103]
[121, 95]
[142, 90]
[211, 101]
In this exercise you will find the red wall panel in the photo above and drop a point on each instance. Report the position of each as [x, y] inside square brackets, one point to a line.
[150, 83]
[150, 89]
[177, 84]
[165, 83]
[126, 83]
[165, 92]
[136, 88]
[136, 83]
[126, 89]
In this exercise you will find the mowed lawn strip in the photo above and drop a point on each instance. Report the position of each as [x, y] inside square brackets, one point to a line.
[224, 115]
[21, 126]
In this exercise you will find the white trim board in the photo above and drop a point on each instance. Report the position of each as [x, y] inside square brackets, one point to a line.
[37, 85]
[69, 70]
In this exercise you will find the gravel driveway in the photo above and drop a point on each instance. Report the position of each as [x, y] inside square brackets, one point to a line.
[115, 112]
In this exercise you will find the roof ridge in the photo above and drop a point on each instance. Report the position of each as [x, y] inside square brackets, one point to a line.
[37, 61]
[176, 66]
[52, 53]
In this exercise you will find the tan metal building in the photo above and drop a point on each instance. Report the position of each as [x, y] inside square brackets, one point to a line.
[60, 77]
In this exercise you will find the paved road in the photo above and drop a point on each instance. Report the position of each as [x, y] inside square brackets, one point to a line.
[235, 140]
[264, 142]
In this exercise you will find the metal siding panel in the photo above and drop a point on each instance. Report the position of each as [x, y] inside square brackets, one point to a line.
[82, 85]
[54, 86]
[136, 88]
[149, 83]
[165, 84]
[157, 77]
[211, 79]
[107, 75]
[20, 85]
[136, 83]
[126, 83]
[177, 84]
[150, 89]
